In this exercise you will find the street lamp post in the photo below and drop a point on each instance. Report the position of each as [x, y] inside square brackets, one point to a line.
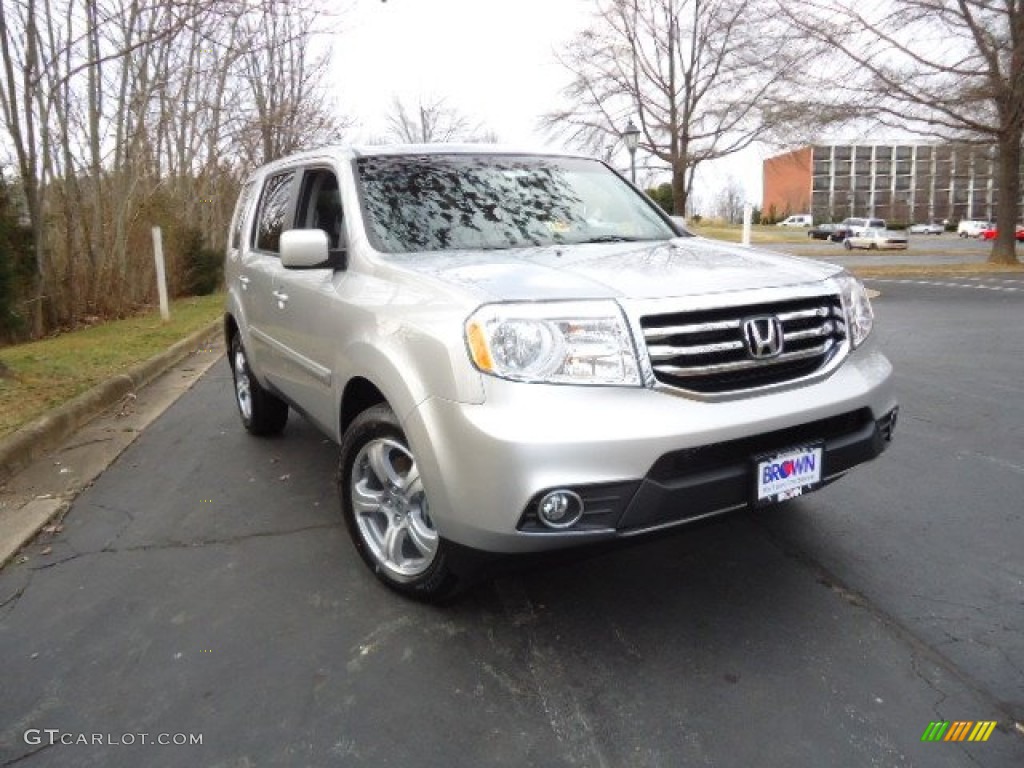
[630, 137]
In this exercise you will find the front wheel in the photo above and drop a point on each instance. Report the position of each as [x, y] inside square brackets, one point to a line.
[847, 245]
[387, 512]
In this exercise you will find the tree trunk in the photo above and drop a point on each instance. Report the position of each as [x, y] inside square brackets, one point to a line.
[679, 189]
[1004, 249]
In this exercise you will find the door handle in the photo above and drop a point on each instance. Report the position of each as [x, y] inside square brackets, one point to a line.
[281, 297]
[244, 281]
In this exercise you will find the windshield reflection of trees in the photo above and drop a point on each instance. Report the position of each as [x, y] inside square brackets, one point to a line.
[449, 203]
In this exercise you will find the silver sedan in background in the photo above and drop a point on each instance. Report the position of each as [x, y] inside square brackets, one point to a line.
[877, 239]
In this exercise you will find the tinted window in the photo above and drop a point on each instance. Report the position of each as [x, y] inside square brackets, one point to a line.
[320, 206]
[240, 211]
[274, 208]
[455, 202]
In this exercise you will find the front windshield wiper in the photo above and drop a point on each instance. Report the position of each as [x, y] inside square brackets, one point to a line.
[611, 239]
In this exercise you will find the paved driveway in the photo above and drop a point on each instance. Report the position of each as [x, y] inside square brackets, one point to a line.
[204, 588]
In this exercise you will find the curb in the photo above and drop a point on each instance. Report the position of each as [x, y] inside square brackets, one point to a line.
[49, 430]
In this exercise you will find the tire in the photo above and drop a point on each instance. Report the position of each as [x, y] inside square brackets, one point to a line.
[873, 246]
[262, 413]
[386, 510]
[847, 245]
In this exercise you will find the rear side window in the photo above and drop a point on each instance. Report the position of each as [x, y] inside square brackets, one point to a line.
[274, 207]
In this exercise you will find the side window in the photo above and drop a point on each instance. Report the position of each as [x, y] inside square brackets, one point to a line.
[241, 208]
[320, 206]
[274, 206]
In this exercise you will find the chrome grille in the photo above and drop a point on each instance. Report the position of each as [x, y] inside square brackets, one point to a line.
[706, 350]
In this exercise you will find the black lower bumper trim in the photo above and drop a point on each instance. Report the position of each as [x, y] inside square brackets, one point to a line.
[663, 500]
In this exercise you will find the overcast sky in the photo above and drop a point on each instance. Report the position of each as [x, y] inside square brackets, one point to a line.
[493, 60]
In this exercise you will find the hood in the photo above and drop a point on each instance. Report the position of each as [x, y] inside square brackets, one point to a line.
[688, 266]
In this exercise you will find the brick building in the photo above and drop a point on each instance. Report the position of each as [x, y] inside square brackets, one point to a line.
[897, 182]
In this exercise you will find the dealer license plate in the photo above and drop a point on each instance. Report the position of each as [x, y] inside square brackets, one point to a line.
[788, 474]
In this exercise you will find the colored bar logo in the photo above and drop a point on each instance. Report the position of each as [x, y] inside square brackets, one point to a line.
[958, 730]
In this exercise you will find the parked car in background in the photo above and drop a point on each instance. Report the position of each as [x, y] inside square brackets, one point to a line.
[931, 228]
[798, 220]
[992, 233]
[877, 239]
[973, 227]
[856, 226]
[822, 231]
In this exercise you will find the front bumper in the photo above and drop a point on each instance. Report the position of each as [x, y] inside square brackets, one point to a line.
[641, 459]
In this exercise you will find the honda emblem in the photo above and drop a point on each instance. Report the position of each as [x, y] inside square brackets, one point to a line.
[763, 336]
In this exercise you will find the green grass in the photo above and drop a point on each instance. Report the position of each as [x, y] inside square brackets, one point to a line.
[44, 374]
[760, 233]
[936, 270]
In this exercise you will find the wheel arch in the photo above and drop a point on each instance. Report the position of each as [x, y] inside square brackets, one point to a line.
[230, 328]
[359, 394]
[401, 375]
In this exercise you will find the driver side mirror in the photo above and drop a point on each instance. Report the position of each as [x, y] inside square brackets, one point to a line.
[307, 249]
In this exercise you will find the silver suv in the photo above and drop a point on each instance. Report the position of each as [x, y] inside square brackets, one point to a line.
[520, 352]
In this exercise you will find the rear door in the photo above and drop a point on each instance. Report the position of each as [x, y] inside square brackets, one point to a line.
[261, 264]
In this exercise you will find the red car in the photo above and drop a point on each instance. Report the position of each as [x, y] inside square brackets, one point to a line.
[990, 234]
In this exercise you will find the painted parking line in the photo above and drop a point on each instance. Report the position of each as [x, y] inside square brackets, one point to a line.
[978, 283]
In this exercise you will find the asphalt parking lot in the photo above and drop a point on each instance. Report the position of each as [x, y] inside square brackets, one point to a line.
[922, 250]
[204, 585]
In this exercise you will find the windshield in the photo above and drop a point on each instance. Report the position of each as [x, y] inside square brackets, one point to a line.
[481, 202]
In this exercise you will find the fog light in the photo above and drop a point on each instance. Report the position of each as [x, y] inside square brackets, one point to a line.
[560, 509]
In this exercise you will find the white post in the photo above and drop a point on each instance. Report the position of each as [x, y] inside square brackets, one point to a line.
[161, 274]
[748, 214]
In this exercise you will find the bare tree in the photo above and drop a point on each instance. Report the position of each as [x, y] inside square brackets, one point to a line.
[20, 91]
[949, 69]
[703, 78]
[284, 81]
[432, 121]
[730, 201]
[122, 114]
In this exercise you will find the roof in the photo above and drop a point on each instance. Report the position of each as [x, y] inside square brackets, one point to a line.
[379, 150]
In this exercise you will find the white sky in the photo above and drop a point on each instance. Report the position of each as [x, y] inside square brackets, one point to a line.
[492, 60]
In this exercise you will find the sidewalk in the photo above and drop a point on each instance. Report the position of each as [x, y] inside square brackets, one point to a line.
[46, 463]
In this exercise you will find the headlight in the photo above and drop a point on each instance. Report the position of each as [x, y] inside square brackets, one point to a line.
[856, 307]
[578, 342]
